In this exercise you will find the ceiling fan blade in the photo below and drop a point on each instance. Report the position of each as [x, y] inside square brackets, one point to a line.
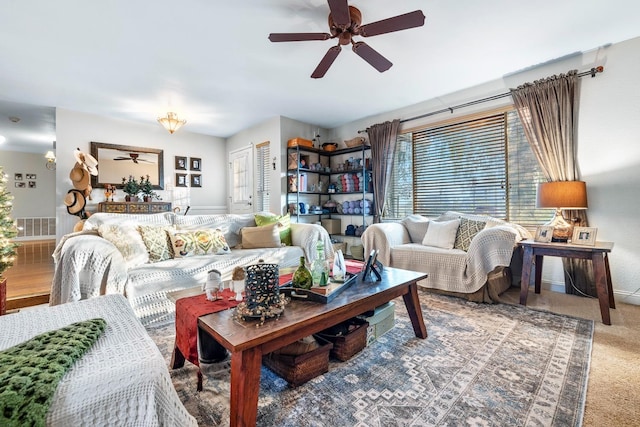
[397, 23]
[326, 62]
[340, 13]
[298, 37]
[367, 53]
[122, 158]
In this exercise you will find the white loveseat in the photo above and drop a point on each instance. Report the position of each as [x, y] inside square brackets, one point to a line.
[465, 255]
[88, 265]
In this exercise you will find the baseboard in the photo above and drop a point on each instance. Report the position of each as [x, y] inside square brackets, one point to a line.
[625, 297]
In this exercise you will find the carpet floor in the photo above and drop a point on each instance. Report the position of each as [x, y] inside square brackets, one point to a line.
[481, 365]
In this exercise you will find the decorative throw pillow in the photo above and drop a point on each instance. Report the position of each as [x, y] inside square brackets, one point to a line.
[30, 371]
[284, 220]
[157, 241]
[466, 232]
[127, 239]
[198, 242]
[416, 225]
[267, 236]
[441, 234]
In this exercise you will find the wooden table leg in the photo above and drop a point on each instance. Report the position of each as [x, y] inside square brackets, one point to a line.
[612, 302]
[245, 386]
[527, 260]
[412, 303]
[538, 275]
[601, 286]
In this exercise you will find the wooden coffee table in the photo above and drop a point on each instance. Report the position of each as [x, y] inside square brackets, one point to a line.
[248, 342]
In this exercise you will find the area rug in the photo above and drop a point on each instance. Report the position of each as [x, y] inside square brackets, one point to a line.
[481, 365]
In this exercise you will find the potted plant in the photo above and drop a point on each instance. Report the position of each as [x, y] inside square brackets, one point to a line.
[147, 189]
[132, 188]
[8, 231]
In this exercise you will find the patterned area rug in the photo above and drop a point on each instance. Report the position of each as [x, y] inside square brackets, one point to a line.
[481, 365]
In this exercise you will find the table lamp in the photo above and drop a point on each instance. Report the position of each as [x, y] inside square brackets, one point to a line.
[561, 195]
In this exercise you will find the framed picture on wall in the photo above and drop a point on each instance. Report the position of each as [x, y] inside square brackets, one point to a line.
[196, 180]
[21, 184]
[17, 177]
[181, 163]
[196, 164]
[584, 236]
[31, 176]
[181, 180]
[32, 184]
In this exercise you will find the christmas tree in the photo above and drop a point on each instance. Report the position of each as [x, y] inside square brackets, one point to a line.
[8, 229]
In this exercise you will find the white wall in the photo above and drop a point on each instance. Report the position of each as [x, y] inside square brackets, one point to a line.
[608, 148]
[29, 202]
[77, 130]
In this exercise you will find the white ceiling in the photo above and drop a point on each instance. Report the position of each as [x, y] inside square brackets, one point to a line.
[211, 62]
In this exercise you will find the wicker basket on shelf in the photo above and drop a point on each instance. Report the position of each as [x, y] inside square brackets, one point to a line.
[355, 142]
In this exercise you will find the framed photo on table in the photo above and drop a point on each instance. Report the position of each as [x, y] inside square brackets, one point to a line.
[584, 236]
[544, 234]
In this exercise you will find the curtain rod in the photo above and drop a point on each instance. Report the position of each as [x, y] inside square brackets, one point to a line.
[592, 72]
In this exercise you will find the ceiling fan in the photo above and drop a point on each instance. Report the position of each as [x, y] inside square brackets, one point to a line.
[345, 23]
[133, 157]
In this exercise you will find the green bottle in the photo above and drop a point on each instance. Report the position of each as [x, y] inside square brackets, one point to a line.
[302, 276]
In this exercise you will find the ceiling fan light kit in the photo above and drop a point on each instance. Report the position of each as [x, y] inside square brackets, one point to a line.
[171, 122]
[344, 24]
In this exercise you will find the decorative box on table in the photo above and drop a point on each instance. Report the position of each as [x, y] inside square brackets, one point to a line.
[346, 345]
[298, 369]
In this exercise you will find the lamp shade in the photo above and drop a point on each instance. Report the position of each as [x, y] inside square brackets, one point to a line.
[562, 194]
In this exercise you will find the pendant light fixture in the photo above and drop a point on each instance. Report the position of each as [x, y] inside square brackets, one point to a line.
[171, 122]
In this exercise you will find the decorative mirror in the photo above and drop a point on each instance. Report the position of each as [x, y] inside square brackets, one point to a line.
[119, 161]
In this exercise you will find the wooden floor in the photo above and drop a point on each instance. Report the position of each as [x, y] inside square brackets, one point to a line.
[29, 280]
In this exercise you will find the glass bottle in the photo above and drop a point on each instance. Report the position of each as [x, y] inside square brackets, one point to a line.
[302, 276]
[320, 267]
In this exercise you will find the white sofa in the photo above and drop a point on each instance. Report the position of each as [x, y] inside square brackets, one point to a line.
[88, 265]
[478, 270]
[121, 380]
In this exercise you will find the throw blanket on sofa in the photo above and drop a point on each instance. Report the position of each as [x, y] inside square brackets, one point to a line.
[122, 380]
[30, 372]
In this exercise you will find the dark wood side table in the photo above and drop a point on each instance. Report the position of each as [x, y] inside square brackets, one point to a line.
[598, 254]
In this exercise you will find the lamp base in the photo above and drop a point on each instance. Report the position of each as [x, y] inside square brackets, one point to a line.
[562, 230]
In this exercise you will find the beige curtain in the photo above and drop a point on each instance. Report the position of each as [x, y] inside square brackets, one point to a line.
[548, 110]
[382, 138]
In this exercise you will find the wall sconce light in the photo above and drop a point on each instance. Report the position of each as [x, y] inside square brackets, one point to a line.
[171, 123]
[51, 160]
[562, 195]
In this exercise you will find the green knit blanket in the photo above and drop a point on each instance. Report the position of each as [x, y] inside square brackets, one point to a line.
[30, 371]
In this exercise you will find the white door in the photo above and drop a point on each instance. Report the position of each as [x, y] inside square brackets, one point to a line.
[241, 181]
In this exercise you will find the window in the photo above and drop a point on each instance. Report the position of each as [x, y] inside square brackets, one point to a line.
[482, 165]
[263, 178]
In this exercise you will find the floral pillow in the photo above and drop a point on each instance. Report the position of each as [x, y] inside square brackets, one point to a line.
[198, 242]
[127, 239]
[156, 240]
